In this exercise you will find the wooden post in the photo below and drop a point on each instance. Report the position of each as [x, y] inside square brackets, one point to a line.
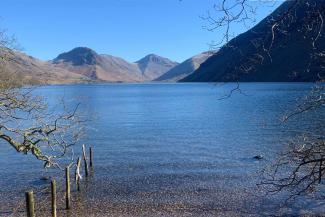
[67, 190]
[53, 196]
[85, 159]
[30, 204]
[77, 174]
[90, 157]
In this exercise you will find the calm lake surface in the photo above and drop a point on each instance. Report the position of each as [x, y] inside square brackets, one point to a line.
[174, 149]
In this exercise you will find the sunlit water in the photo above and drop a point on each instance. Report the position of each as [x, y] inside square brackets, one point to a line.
[158, 144]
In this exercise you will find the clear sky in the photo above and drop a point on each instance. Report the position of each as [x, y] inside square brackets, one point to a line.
[129, 29]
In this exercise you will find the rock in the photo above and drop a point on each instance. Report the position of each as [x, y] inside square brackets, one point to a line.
[258, 157]
[45, 178]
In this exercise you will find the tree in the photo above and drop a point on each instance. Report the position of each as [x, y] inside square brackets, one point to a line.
[26, 124]
[302, 166]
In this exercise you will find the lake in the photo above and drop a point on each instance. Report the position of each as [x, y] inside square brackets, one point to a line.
[174, 149]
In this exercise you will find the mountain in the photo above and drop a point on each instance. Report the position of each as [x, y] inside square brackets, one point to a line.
[78, 56]
[153, 66]
[83, 64]
[84, 61]
[102, 67]
[260, 55]
[185, 68]
[33, 71]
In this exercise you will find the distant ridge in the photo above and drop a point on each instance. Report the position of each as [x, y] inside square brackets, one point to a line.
[185, 68]
[83, 64]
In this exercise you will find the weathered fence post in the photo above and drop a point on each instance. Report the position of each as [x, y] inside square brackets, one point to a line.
[30, 204]
[77, 174]
[67, 190]
[85, 160]
[53, 197]
[91, 157]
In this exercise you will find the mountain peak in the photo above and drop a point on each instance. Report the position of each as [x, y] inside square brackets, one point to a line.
[153, 58]
[78, 56]
[83, 49]
[153, 65]
[153, 55]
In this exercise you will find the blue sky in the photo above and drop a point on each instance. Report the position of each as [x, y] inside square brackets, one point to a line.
[129, 29]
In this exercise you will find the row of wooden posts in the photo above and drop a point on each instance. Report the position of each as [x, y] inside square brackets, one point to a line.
[30, 202]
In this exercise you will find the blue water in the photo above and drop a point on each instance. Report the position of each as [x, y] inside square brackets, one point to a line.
[176, 137]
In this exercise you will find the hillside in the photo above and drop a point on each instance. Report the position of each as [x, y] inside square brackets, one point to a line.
[86, 62]
[288, 58]
[153, 66]
[33, 71]
[185, 68]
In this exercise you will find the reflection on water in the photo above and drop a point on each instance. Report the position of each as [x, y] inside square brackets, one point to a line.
[175, 143]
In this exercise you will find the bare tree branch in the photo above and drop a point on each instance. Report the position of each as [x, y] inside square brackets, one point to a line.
[25, 121]
[302, 166]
